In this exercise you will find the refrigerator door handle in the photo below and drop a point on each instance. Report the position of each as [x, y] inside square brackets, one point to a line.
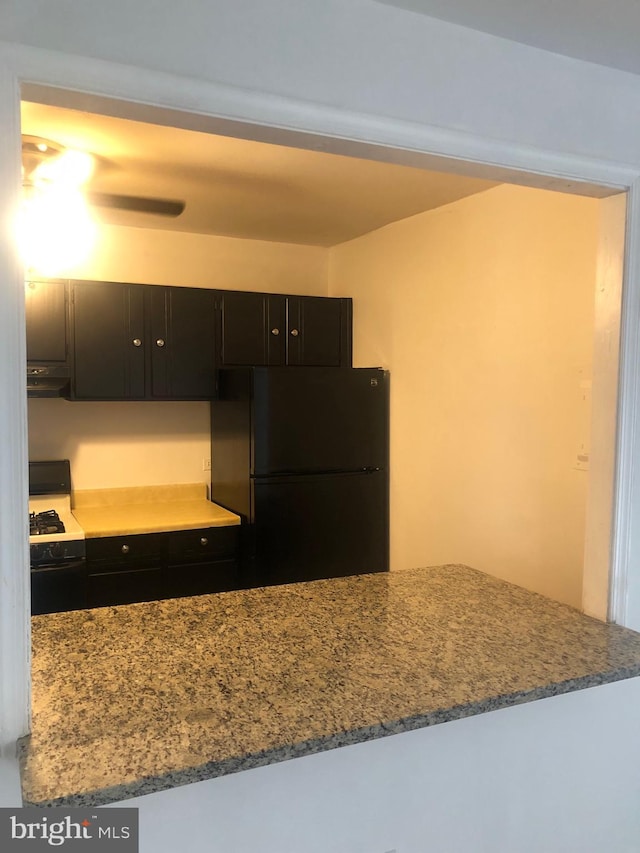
[355, 472]
[279, 476]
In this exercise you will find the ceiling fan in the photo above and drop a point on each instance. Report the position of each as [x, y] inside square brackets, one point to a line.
[48, 162]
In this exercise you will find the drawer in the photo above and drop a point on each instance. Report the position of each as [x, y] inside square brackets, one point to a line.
[207, 543]
[125, 549]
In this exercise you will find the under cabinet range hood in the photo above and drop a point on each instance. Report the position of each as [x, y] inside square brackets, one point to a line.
[47, 380]
[47, 332]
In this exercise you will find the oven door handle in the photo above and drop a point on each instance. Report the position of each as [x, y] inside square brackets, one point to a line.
[56, 567]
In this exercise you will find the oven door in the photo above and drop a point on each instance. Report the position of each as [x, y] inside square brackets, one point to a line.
[59, 587]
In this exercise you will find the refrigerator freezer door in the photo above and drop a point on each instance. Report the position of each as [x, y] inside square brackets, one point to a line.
[320, 526]
[319, 419]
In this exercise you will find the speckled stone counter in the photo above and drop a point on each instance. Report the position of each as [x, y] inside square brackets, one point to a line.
[139, 698]
[148, 509]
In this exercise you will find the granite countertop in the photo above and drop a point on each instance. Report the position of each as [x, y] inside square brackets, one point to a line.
[139, 698]
[147, 509]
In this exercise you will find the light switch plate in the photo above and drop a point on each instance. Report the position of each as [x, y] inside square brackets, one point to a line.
[582, 461]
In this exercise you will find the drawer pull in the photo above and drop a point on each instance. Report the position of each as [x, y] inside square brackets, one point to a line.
[204, 541]
[125, 549]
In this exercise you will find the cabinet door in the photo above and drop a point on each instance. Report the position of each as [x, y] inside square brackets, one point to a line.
[318, 331]
[108, 341]
[140, 583]
[124, 569]
[202, 578]
[46, 319]
[202, 561]
[182, 342]
[253, 329]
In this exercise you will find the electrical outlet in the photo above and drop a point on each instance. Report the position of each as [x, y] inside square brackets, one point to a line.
[206, 464]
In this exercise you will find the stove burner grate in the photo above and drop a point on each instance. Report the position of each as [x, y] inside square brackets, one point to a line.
[45, 523]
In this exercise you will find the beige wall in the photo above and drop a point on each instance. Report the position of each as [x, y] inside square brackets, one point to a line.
[122, 444]
[154, 256]
[483, 312]
[133, 443]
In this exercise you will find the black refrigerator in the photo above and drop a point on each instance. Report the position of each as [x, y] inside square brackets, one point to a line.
[301, 453]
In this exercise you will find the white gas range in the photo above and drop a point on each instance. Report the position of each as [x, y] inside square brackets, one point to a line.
[56, 540]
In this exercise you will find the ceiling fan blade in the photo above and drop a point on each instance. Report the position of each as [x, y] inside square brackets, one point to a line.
[137, 204]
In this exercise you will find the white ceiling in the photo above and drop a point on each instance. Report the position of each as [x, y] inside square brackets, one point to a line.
[603, 31]
[242, 188]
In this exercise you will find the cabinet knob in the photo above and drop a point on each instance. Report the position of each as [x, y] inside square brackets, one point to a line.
[160, 342]
[275, 332]
[137, 342]
[294, 333]
[204, 541]
[125, 549]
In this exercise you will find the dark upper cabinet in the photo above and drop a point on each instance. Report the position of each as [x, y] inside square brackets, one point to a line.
[142, 342]
[318, 331]
[108, 341]
[253, 329]
[270, 329]
[182, 335]
[46, 320]
[150, 342]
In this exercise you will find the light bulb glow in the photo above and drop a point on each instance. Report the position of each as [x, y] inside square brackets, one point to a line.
[70, 169]
[54, 230]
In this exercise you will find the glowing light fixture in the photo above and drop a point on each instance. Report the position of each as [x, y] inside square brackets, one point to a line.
[55, 230]
[71, 168]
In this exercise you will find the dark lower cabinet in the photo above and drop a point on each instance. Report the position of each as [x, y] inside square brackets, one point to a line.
[202, 561]
[125, 586]
[155, 566]
[205, 544]
[201, 578]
